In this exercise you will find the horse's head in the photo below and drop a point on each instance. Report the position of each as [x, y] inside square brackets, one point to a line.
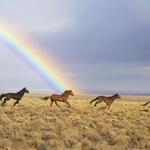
[117, 96]
[26, 90]
[69, 92]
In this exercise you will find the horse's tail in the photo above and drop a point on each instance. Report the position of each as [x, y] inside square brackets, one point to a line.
[146, 103]
[45, 98]
[2, 96]
[93, 100]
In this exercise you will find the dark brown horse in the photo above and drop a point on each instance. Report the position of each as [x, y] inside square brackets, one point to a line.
[16, 96]
[108, 100]
[61, 98]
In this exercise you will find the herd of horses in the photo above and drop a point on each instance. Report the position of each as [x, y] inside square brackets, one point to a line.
[55, 98]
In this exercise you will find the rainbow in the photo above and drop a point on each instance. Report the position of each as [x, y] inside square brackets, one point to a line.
[44, 66]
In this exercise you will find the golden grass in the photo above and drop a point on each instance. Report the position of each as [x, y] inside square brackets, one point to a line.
[34, 125]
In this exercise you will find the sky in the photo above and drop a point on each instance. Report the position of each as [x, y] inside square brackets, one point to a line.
[101, 44]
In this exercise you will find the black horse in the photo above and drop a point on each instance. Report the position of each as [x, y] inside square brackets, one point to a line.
[16, 96]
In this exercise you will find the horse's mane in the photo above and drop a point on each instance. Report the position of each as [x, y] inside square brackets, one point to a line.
[21, 90]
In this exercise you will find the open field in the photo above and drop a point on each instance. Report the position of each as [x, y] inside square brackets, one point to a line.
[34, 125]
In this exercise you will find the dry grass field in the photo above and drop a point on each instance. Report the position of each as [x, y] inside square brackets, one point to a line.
[34, 125]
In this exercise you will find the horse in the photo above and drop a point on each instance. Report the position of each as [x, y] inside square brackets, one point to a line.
[108, 100]
[61, 98]
[146, 103]
[16, 96]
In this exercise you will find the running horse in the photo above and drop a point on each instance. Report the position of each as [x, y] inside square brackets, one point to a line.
[16, 96]
[61, 98]
[108, 100]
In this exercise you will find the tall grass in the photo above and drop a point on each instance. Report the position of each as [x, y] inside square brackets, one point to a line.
[34, 125]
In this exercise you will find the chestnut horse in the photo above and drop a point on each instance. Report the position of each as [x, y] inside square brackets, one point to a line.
[61, 98]
[108, 100]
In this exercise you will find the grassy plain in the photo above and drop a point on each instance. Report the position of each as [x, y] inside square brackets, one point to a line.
[34, 125]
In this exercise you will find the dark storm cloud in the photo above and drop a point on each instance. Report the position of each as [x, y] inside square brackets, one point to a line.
[126, 47]
[102, 32]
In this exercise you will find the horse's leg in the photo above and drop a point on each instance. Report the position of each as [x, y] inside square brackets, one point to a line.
[17, 101]
[105, 106]
[68, 104]
[99, 101]
[4, 102]
[51, 102]
[57, 104]
[109, 105]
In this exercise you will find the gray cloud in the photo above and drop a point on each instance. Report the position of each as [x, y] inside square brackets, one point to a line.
[102, 32]
[125, 47]
[102, 44]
